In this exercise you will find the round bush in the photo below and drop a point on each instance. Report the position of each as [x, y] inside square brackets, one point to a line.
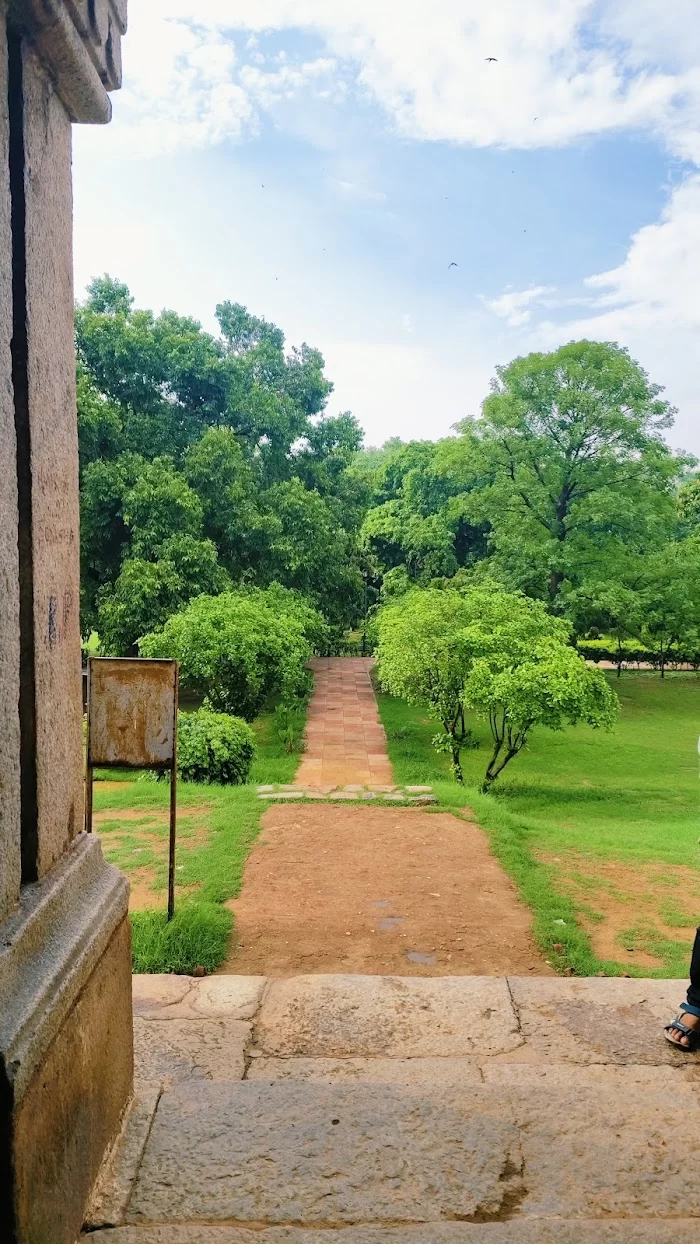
[214, 747]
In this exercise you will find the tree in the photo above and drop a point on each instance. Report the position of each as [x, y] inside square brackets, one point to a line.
[670, 601]
[423, 656]
[495, 652]
[221, 439]
[237, 649]
[146, 593]
[574, 468]
[524, 674]
[421, 521]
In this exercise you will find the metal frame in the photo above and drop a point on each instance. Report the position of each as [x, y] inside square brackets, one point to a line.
[170, 767]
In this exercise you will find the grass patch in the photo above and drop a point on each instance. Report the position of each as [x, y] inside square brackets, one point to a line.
[197, 936]
[217, 826]
[590, 797]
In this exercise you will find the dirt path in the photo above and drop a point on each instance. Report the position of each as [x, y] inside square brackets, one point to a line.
[345, 740]
[377, 891]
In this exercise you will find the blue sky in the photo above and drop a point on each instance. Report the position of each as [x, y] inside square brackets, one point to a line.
[325, 163]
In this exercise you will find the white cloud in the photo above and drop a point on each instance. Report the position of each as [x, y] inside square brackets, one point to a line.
[650, 304]
[405, 390]
[580, 68]
[515, 306]
[365, 194]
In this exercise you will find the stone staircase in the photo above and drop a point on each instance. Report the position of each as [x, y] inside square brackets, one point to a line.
[369, 1109]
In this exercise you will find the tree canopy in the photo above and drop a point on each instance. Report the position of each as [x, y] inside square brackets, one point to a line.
[207, 462]
[497, 653]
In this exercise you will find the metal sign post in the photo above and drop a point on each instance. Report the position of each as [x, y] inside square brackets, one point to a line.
[132, 724]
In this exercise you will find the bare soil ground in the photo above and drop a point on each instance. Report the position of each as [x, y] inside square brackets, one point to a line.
[377, 891]
[626, 908]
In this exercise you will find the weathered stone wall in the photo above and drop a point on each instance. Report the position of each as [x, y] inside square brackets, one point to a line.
[77, 1094]
[9, 579]
[66, 1055]
[54, 464]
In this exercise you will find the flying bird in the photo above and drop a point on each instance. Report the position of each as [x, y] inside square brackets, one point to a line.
[494, 58]
[452, 265]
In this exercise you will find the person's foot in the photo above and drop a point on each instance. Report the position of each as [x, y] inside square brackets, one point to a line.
[676, 1035]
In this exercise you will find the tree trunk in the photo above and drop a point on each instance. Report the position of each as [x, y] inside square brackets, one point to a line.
[456, 766]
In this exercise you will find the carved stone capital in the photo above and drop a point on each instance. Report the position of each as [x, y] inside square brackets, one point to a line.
[79, 42]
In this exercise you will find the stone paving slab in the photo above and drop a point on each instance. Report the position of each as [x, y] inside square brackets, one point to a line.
[326, 1155]
[591, 1151]
[421, 796]
[110, 1196]
[183, 1049]
[597, 1020]
[391, 1016]
[409, 1072]
[183, 997]
[517, 1231]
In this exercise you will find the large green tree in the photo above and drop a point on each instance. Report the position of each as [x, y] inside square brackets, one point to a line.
[575, 472]
[220, 441]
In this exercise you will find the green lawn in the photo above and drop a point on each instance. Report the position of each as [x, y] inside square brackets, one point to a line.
[216, 828]
[579, 811]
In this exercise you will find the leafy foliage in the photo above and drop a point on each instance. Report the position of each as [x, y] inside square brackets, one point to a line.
[214, 747]
[221, 439]
[238, 648]
[495, 652]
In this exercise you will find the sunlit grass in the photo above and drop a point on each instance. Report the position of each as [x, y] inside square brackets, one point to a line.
[632, 795]
[208, 873]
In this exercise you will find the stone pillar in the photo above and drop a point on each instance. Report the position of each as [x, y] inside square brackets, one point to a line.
[65, 976]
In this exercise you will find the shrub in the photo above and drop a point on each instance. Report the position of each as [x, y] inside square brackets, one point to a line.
[239, 648]
[214, 747]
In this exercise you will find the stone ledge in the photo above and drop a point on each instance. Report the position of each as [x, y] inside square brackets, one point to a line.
[517, 1231]
[160, 996]
[50, 947]
[110, 1195]
[392, 1016]
[325, 1155]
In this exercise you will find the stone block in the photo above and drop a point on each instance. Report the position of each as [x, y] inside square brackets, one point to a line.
[71, 1110]
[592, 1020]
[389, 1016]
[418, 1073]
[498, 1071]
[325, 1155]
[591, 1151]
[110, 1195]
[183, 997]
[518, 1231]
[187, 1049]
[418, 790]
[54, 466]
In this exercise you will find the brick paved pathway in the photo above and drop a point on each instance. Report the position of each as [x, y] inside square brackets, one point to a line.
[345, 740]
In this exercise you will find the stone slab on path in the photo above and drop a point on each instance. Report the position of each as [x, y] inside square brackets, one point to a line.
[344, 737]
[370, 1016]
[325, 1155]
[518, 1231]
[370, 889]
[293, 1153]
[546, 1109]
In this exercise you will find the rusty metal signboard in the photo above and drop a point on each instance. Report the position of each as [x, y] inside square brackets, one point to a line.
[132, 724]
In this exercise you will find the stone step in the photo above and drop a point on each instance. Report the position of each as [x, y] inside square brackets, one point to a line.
[373, 1109]
[519, 1231]
[324, 1156]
